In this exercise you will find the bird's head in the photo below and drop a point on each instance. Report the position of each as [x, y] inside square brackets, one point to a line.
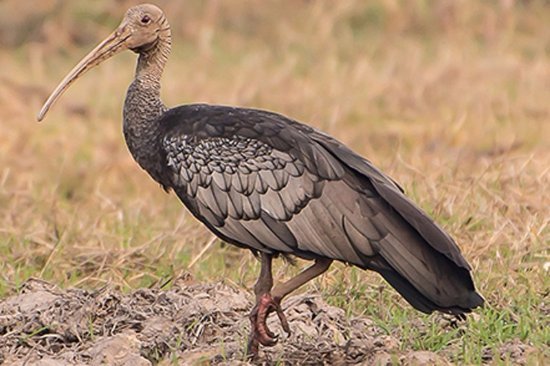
[142, 28]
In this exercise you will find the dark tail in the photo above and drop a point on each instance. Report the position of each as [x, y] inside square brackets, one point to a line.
[468, 300]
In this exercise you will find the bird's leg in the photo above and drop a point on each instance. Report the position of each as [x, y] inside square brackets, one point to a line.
[279, 292]
[259, 333]
[268, 302]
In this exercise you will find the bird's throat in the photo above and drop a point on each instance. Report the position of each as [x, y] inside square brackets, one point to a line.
[151, 62]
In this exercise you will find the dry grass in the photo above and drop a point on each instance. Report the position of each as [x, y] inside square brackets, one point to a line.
[450, 98]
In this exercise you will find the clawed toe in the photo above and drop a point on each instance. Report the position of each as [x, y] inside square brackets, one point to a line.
[260, 333]
[282, 318]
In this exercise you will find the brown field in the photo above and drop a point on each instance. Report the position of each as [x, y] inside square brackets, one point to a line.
[452, 99]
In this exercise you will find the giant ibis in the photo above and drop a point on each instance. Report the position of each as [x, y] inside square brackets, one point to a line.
[265, 182]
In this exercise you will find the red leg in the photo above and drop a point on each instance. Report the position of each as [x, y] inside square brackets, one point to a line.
[318, 268]
[268, 302]
[259, 333]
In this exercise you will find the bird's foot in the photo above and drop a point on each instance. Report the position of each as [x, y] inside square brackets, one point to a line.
[260, 333]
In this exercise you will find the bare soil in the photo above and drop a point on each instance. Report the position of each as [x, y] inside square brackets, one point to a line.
[188, 324]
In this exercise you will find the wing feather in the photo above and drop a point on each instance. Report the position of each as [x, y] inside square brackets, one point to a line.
[235, 208]
[266, 236]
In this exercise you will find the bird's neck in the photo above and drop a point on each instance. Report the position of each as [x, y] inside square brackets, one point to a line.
[143, 106]
[151, 62]
[150, 66]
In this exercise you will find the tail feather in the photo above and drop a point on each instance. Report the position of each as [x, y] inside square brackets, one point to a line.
[423, 272]
[470, 300]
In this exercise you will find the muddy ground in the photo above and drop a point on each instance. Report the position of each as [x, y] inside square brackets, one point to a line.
[188, 324]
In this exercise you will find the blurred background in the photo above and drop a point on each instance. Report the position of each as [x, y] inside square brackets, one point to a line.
[451, 98]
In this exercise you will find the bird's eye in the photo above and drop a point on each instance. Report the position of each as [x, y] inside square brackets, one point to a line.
[145, 19]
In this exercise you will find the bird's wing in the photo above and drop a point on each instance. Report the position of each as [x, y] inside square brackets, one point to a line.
[247, 177]
[237, 164]
[258, 180]
[262, 181]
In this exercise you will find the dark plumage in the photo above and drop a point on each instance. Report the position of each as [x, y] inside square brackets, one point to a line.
[262, 181]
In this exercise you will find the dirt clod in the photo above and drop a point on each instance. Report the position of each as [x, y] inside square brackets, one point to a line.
[424, 358]
[187, 324]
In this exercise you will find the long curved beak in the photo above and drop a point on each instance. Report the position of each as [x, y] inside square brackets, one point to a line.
[110, 46]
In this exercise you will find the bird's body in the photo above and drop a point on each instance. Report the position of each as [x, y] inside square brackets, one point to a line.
[262, 181]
